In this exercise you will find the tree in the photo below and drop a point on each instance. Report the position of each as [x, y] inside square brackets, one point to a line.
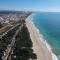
[0, 25]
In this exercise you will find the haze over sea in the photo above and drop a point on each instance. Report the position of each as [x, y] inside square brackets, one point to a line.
[48, 24]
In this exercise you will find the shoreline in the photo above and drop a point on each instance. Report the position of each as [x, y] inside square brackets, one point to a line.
[45, 49]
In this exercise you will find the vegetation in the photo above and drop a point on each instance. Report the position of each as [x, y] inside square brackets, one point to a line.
[23, 46]
[0, 25]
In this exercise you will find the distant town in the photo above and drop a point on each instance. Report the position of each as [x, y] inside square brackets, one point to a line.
[7, 17]
[10, 18]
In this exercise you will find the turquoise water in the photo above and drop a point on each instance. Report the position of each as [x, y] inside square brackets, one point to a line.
[49, 25]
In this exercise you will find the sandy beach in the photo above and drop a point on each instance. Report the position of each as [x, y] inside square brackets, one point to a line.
[39, 47]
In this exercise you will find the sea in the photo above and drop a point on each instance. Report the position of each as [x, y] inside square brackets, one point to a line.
[48, 24]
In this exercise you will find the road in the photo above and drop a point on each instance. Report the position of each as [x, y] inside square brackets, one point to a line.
[9, 47]
[8, 31]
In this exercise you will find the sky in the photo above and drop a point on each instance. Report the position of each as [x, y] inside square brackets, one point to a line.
[30, 5]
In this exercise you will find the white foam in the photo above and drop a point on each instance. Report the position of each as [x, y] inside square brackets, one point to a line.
[54, 57]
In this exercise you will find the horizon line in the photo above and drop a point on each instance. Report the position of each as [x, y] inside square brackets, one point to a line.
[29, 10]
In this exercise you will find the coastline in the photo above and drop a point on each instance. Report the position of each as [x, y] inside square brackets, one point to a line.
[45, 52]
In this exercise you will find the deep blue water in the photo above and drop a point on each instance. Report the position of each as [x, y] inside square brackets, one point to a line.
[49, 25]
